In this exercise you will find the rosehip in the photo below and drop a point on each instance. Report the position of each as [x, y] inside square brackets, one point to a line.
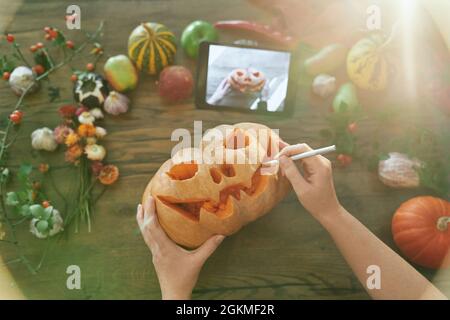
[47, 29]
[10, 38]
[90, 67]
[33, 48]
[48, 37]
[352, 127]
[69, 44]
[16, 117]
[39, 45]
[73, 77]
[6, 75]
[46, 204]
[38, 69]
[344, 160]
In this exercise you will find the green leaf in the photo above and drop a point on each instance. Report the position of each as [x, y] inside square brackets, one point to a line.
[37, 211]
[12, 199]
[41, 58]
[54, 93]
[60, 40]
[42, 226]
[25, 210]
[47, 213]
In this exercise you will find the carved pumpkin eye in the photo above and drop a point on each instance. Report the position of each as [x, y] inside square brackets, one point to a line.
[216, 175]
[240, 73]
[256, 74]
[183, 171]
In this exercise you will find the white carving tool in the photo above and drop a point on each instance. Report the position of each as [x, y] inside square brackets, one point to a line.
[306, 154]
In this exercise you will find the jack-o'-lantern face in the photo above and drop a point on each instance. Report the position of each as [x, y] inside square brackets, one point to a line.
[247, 80]
[218, 187]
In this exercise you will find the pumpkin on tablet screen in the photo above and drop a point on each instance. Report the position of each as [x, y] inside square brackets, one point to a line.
[198, 199]
[421, 229]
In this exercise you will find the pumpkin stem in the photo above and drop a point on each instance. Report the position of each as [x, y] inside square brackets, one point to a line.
[442, 223]
[149, 30]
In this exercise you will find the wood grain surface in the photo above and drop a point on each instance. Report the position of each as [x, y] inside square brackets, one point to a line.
[284, 255]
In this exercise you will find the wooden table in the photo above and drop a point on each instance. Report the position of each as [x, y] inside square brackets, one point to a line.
[284, 255]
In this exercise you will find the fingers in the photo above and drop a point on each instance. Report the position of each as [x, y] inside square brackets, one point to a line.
[151, 230]
[290, 171]
[207, 249]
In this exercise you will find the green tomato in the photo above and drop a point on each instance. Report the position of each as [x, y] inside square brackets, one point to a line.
[42, 226]
[194, 34]
[37, 211]
[121, 73]
[346, 99]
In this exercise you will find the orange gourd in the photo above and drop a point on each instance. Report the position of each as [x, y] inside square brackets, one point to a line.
[421, 229]
[198, 199]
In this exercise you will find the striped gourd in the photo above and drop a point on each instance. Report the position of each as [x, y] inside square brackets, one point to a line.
[152, 47]
[367, 63]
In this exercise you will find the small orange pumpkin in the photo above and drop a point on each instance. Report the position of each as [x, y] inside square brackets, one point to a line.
[197, 199]
[421, 229]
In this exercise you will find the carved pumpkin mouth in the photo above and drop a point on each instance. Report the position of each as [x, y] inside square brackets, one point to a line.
[190, 208]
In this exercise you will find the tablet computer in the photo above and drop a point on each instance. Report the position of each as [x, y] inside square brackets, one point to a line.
[246, 79]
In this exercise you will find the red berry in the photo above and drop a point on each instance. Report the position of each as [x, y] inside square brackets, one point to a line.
[10, 38]
[53, 33]
[16, 117]
[73, 77]
[39, 45]
[48, 37]
[46, 204]
[38, 69]
[90, 67]
[6, 75]
[33, 48]
[69, 44]
[352, 127]
[344, 160]
[47, 29]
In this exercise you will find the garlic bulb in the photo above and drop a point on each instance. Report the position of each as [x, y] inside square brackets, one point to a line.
[57, 225]
[21, 78]
[116, 103]
[399, 171]
[43, 139]
[324, 85]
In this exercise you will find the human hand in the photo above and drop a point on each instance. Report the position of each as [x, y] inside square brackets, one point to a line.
[177, 268]
[221, 91]
[314, 186]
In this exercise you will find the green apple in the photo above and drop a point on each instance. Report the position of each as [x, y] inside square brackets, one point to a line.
[121, 73]
[194, 34]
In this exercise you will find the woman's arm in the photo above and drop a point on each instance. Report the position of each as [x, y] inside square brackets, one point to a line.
[360, 247]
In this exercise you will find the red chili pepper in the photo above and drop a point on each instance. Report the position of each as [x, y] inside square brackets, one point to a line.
[266, 31]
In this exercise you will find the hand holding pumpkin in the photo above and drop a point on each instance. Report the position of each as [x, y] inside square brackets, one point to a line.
[314, 186]
[177, 268]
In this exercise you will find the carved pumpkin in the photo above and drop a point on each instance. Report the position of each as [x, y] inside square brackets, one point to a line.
[421, 229]
[197, 199]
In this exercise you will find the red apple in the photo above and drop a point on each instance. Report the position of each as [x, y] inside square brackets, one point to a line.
[175, 83]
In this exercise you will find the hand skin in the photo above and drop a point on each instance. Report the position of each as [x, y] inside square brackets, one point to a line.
[177, 268]
[360, 247]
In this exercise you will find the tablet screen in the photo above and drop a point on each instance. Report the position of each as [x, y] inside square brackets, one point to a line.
[247, 78]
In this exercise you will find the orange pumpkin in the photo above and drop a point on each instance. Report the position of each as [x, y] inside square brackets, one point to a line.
[421, 229]
[197, 199]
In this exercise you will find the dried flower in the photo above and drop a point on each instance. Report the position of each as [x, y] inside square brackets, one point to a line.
[109, 174]
[91, 140]
[67, 111]
[73, 153]
[86, 118]
[61, 132]
[80, 110]
[86, 130]
[100, 132]
[96, 167]
[44, 167]
[95, 152]
[41, 228]
[97, 113]
[72, 139]
[43, 139]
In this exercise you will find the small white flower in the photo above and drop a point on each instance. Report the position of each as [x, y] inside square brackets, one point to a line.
[57, 227]
[95, 152]
[97, 113]
[86, 118]
[43, 139]
[100, 132]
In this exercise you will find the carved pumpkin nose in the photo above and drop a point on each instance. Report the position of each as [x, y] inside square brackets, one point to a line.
[240, 73]
[196, 200]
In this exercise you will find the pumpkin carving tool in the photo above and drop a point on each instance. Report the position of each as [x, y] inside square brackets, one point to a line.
[307, 154]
